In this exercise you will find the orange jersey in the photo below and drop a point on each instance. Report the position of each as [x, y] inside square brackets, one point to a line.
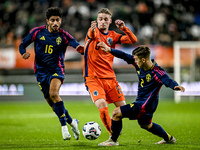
[98, 63]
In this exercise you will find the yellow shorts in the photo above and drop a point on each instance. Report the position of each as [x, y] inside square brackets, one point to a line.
[107, 89]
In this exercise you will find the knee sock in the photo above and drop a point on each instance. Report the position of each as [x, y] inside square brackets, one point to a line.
[116, 129]
[68, 117]
[104, 115]
[59, 109]
[159, 131]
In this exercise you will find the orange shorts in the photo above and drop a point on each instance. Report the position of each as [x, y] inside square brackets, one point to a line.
[107, 89]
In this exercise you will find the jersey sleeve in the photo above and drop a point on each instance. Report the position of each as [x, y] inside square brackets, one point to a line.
[162, 76]
[129, 37]
[91, 34]
[27, 41]
[69, 40]
[73, 43]
[120, 54]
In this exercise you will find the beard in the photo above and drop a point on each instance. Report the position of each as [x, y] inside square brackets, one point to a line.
[54, 30]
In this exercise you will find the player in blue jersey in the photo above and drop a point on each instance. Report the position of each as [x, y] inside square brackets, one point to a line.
[50, 43]
[151, 78]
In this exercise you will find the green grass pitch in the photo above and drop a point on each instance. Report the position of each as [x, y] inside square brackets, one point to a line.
[33, 125]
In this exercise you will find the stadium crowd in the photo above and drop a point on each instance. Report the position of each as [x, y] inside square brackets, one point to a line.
[152, 21]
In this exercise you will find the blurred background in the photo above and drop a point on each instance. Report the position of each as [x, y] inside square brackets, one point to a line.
[156, 23]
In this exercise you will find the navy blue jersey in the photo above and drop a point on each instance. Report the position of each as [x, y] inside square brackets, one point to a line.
[49, 48]
[150, 82]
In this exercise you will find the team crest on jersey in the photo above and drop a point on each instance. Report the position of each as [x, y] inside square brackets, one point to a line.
[95, 93]
[109, 41]
[148, 77]
[58, 40]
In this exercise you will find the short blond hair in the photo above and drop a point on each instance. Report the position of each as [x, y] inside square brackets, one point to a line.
[105, 11]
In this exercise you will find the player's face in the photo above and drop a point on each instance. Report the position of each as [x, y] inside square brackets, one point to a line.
[54, 23]
[138, 61]
[104, 21]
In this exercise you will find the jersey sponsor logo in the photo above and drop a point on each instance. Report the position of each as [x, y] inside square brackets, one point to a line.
[109, 41]
[148, 77]
[42, 38]
[95, 93]
[55, 74]
[58, 40]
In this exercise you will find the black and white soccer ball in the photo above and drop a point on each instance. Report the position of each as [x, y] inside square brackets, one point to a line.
[91, 130]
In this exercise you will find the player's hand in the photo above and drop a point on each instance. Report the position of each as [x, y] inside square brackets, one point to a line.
[80, 49]
[93, 25]
[119, 23]
[179, 88]
[104, 47]
[26, 55]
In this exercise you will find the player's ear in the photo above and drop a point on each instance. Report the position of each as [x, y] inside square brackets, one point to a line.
[143, 60]
[47, 21]
[110, 20]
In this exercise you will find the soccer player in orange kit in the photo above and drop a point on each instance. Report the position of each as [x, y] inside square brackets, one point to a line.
[100, 79]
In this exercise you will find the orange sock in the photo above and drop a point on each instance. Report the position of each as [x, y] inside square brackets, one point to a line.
[104, 115]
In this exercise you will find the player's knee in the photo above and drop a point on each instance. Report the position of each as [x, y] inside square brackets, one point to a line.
[53, 94]
[148, 126]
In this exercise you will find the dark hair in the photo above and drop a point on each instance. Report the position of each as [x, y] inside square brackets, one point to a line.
[53, 11]
[105, 11]
[142, 52]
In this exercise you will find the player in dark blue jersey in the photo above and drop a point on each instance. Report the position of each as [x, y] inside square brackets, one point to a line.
[50, 42]
[151, 78]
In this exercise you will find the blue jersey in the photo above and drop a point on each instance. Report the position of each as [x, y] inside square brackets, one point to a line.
[150, 82]
[49, 49]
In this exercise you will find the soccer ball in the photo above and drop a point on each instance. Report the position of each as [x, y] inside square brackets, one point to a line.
[91, 130]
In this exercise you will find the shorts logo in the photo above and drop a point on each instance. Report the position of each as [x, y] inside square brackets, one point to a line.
[95, 93]
[55, 74]
[110, 41]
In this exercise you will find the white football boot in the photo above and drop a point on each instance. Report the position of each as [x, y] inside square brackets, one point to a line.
[109, 142]
[65, 133]
[171, 141]
[76, 132]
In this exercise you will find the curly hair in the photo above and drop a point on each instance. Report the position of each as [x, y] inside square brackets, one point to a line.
[53, 11]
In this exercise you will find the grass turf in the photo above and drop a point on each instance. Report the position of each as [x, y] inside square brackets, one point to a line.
[33, 125]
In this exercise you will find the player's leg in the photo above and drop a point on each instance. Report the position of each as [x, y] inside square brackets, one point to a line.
[98, 96]
[116, 128]
[61, 111]
[58, 106]
[145, 123]
[114, 93]
[130, 111]
[101, 104]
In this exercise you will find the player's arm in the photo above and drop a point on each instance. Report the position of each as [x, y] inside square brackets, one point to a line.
[168, 82]
[129, 37]
[22, 47]
[117, 53]
[91, 32]
[72, 42]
